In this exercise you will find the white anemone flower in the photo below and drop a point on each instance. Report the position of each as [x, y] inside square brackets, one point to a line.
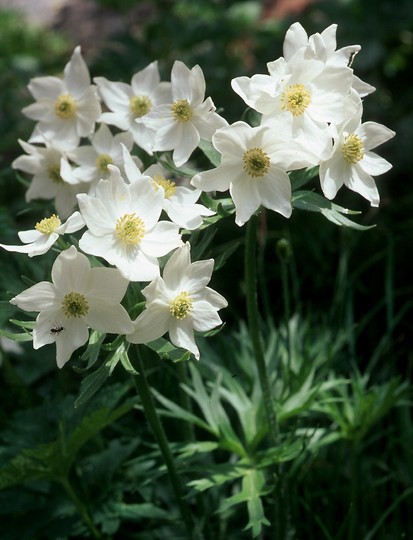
[305, 94]
[253, 167]
[66, 109]
[79, 298]
[130, 106]
[325, 45]
[93, 159]
[179, 303]
[190, 117]
[179, 201]
[124, 229]
[39, 240]
[352, 162]
[52, 176]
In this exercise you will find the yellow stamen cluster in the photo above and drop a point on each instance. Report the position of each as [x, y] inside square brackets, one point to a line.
[130, 229]
[353, 149]
[295, 99]
[181, 110]
[139, 106]
[181, 305]
[48, 225]
[102, 162]
[65, 106]
[169, 187]
[256, 162]
[74, 304]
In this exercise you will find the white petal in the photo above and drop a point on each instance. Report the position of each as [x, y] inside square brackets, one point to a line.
[70, 271]
[150, 325]
[77, 76]
[162, 239]
[182, 335]
[246, 198]
[275, 191]
[71, 338]
[364, 184]
[374, 164]
[204, 317]
[113, 319]
[373, 134]
[39, 297]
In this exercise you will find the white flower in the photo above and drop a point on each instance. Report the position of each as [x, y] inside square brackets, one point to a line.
[352, 162]
[179, 202]
[93, 160]
[40, 239]
[179, 303]
[123, 226]
[79, 297]
[51, 176]
[132, 105]
[325, 46]
[305, 94]
[181, 124]
[66, 109]
[253, 168]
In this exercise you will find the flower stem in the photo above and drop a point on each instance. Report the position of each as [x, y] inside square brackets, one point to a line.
[253, 323]
[80, 508]
[159, 433]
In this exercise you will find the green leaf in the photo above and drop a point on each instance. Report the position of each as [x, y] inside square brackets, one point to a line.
[302, 177]
[313, 202]
[16, 337]
[137, 512]
[211, 153]
[167, 351]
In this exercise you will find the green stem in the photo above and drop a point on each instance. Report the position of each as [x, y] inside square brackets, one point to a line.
[81, 508]
[279, 529]
[159, 433]
[287, 315]
[253, 323]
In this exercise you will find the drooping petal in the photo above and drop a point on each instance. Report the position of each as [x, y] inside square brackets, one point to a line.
[181, 334]
[74, 336]
[362, 183]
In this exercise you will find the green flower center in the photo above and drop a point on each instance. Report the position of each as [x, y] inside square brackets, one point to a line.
[130, 228]
[102, 162]
[139, 105]
[75, 304]
[65, 106]
[169, 187]
[181, 110]
[48, 225]
[181, 305]
[295, 99]
[256, 162]
[53, 172]
[353, 149]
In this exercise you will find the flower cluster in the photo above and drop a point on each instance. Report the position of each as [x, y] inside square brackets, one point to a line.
[86, 154]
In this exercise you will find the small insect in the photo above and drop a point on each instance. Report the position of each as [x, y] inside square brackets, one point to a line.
[57, 328]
